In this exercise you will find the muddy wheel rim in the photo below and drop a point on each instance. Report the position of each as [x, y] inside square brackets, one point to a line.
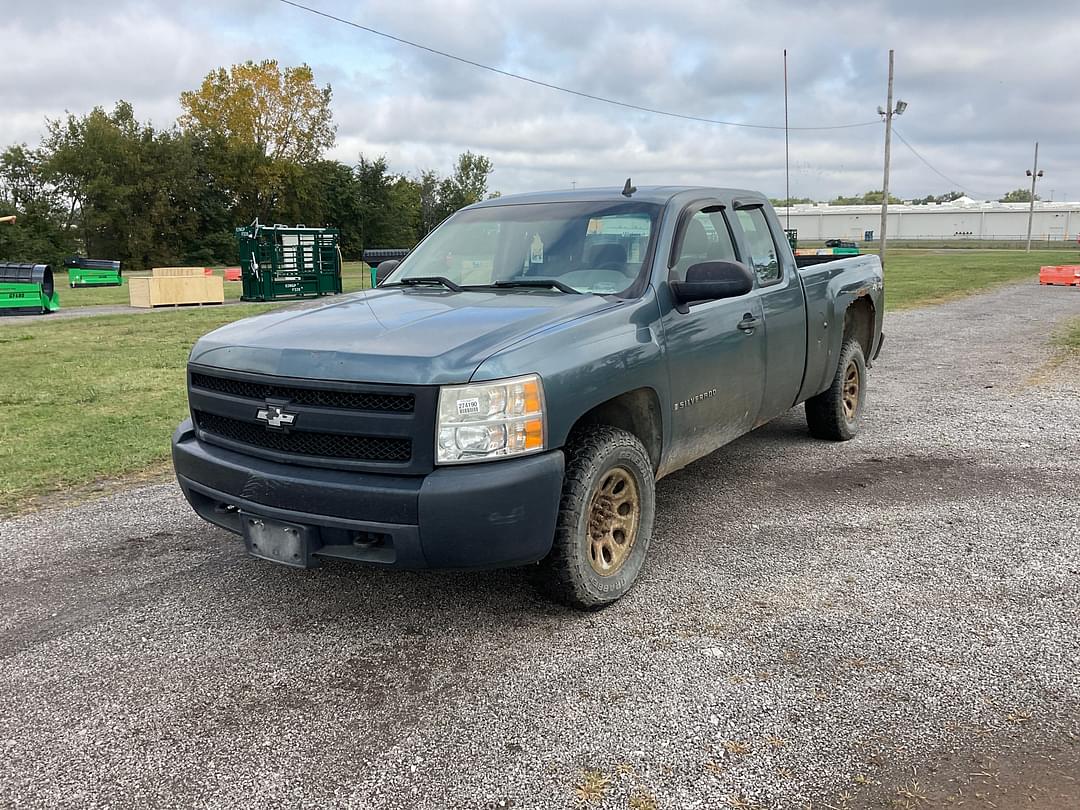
[851, 390]
[614, 514]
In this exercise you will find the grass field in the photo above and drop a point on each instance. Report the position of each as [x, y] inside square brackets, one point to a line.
[920, 277]
[354, 276]
[92, 398]
[88, 399]
[1069, 338]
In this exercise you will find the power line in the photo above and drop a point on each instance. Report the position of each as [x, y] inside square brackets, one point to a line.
[931, 167]
[551, 86]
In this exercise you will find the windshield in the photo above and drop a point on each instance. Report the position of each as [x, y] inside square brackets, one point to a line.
[592, 247]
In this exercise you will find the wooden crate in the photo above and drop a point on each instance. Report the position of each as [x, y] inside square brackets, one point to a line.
[178, 272]
[166, 290]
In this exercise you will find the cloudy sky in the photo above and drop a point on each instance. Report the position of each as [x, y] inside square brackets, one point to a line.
[984, 80]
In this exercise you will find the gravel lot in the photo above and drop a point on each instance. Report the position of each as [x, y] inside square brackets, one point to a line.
[876, 624]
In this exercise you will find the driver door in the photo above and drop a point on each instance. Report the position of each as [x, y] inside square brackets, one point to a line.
[715, 349]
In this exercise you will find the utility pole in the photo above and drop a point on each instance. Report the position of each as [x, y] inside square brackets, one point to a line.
[887, 114]
[787, 154]
[1034, 173]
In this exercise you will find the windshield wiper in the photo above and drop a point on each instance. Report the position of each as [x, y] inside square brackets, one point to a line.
[421, 281]
[536, 283]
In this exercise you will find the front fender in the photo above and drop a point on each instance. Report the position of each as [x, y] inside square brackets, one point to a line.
[589, 361]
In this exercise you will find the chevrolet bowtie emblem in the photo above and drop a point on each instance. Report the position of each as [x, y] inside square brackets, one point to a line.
[275, 416]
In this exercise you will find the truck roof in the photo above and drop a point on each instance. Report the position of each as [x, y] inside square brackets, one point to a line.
[652, 194]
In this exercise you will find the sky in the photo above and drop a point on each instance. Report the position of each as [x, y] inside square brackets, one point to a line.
[983, 81]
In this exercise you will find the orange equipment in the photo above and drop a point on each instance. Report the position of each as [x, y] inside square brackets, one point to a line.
[1064, 274]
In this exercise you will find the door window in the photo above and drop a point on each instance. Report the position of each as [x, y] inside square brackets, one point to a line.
[764, 256]
[706, 239]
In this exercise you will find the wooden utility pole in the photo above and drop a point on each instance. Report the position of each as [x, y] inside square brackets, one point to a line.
[888, 149]
[1034, 174]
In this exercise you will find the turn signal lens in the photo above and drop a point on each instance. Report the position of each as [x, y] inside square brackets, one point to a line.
[490, 420]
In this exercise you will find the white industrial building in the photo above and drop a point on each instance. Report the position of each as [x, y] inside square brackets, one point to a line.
[964, 218]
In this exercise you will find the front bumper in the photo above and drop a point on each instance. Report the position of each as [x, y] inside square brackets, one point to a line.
[489, 515]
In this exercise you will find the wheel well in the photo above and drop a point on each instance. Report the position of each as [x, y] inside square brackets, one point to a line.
[636, 412]
[859, 323]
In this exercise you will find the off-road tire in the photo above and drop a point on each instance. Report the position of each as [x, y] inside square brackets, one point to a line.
[827, 414]
[593, 456]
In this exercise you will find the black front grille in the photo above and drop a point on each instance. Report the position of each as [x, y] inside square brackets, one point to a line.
[317, 397]
[322, 445]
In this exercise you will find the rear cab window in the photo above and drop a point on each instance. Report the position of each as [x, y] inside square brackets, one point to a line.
[764, 255]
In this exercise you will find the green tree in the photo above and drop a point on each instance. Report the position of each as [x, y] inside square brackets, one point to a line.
[284, 114]
[1021, 195]
[467, 185]
[264, 123]
[40, 234]
[930, 199]
[134, 193]
[781, 203]
[868, 198]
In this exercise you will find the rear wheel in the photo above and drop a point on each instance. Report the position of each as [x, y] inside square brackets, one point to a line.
[605, 520]
[836, 413]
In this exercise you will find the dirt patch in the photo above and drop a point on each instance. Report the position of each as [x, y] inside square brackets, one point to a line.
[988, 774]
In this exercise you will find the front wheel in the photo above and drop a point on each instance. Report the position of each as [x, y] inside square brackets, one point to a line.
[605, 520]
[835, 413]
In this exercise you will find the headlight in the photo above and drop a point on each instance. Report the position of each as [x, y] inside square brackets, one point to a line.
[490, 420]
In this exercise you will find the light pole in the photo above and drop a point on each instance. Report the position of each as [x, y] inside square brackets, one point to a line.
[1034, 173]
[887, 114]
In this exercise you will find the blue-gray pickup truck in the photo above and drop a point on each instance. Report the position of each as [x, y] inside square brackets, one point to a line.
[512, 390]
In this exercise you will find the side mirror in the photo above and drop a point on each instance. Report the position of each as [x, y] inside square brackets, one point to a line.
[383, 269]
[710, 281]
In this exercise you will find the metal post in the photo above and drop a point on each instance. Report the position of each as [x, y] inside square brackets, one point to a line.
[787, 155]
[1031, 208]
[888, 148]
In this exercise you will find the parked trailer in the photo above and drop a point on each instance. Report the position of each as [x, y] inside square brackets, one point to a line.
[279, 261]
[27, 289]
[93, 272]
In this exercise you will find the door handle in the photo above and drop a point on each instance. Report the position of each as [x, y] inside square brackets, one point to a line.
[748, 323]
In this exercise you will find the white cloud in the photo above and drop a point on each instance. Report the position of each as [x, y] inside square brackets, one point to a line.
[983, 80]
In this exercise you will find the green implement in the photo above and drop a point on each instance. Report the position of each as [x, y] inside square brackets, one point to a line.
[279, 261]
[93, 272]
[27, 289]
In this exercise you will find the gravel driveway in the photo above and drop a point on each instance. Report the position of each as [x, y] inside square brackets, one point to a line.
[881, 623]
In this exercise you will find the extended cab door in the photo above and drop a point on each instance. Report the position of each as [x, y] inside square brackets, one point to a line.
[715, 349]
[780, 290]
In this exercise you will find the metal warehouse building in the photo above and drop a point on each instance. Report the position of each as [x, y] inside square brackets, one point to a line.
[962, 219]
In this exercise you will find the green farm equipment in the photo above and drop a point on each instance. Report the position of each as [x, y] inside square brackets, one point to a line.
[27, 289]
[92, 272]
[279, 261]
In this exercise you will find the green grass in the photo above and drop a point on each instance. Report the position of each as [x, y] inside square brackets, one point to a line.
[1069, 338]
[354, 276]
[920, 277]
[91, 399]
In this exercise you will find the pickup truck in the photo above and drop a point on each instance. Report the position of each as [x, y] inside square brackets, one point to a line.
[512, 390]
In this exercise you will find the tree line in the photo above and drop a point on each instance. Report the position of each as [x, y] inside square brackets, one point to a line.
[250, 144]
[875, 198]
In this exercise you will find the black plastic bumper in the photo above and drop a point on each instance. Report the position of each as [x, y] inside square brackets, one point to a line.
[488, 515]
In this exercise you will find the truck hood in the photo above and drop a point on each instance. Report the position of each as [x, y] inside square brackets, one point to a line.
[416, 336]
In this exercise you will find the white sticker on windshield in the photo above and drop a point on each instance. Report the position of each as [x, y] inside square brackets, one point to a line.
[536, 251]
